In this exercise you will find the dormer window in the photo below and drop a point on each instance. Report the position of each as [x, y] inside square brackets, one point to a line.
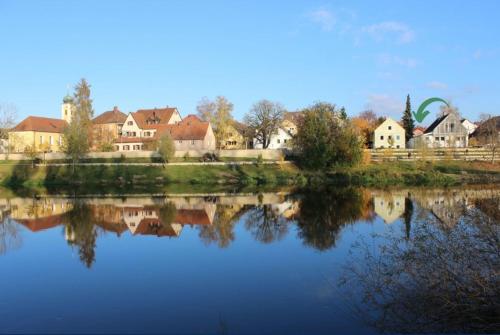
[130, 123]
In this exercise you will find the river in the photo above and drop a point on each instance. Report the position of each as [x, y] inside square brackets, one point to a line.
[341, 260]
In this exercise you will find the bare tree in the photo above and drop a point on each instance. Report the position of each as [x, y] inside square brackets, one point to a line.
[8, 114]
[488, 133]
[264, 119]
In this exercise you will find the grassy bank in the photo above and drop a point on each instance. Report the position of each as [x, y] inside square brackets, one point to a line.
[221, 177]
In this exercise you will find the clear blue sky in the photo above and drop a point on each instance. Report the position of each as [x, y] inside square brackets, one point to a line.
[142, 54]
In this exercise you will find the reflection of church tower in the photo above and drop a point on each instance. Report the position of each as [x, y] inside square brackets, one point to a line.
[67, 108]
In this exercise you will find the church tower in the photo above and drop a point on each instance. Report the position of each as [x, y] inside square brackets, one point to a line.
[67, 108]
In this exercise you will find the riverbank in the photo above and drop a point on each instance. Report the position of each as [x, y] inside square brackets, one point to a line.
[120, 177]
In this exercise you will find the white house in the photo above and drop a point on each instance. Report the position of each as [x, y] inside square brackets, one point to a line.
[389, 135]
[281, 139]
[446, 131]
[471, 127]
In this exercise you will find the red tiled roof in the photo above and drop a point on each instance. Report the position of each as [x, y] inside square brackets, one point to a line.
[113, 116]
[39, 224]
[192, 216]
[41, 124]
[187, 129]
[161, 115]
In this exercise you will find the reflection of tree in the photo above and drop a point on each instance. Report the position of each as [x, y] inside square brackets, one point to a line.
[10, 237]
[81, 232]
[442, 280]
[265, 224]
[221, 230]
[324, 214]
[407, 215]
[167, 213]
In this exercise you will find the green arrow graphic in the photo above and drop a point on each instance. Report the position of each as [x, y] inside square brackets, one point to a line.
[422, 113]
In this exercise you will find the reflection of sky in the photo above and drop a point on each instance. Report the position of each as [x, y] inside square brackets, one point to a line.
[146, 283]
[174, 285]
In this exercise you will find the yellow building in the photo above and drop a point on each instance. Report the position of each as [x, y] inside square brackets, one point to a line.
[41, 133]
[107, 128]
[233, 139]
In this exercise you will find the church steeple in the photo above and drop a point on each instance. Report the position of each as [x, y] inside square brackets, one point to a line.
[67, 108]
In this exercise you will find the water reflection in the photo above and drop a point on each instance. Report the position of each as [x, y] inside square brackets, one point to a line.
[443, 279]
[431, 266]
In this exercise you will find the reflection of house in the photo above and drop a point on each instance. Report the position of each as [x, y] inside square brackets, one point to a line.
[41, 214]
[389, 207]
[389, 134]
[286, 209]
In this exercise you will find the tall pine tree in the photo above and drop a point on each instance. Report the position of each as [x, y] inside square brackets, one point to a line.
[408, 123]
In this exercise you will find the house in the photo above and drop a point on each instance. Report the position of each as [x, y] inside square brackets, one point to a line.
[280, 139]
[470, 126]
[488, 132]
[108, 126]
[188, 134]
[233, 138]
[389, 206]
[41, 133]
[446, 131]
[418, 130]
[389, 134]
[143, 122]
[283, 136]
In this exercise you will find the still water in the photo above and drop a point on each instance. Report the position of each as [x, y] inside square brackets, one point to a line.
[343, 260]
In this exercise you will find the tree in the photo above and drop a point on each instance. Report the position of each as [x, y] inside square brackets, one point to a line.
[166, 148]
[263, 120]
[488, 133]
[408, 123]
[77, 137]
[324, 140]
[369, 116]
[218, 113]
[7, 120]
[32, 153]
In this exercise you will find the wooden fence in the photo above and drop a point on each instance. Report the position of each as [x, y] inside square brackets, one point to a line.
[463, 154]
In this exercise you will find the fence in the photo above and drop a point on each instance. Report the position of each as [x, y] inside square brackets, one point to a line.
[268, 154]
[464, 154]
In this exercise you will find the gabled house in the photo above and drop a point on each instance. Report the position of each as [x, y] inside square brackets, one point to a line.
[470, 126]
[283, 136]
[144, 122]
[389, 134]
[107, 127]
[188, 134]
[446, 131]
[233, 137]
[42, 134]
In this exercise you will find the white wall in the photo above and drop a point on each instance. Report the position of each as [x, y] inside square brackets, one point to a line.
[280, 140]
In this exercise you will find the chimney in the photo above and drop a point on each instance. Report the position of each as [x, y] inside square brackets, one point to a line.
[115, 109]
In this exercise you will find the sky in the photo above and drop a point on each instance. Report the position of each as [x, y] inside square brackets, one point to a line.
[146, 54]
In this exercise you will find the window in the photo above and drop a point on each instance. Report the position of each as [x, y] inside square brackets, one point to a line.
[389, 137]
[397, 146]
[390, 127]
[50, 140]
[41, 139]
[180, 141]
[278, 140]
[126, 147]
[147, 133]
[397, 137]
[60, 140]
[436, 138]
[137, 147]
[382, 137]
[130, 123]
[284, 140]
[452, 127]
[442, 138]
[192, 142]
